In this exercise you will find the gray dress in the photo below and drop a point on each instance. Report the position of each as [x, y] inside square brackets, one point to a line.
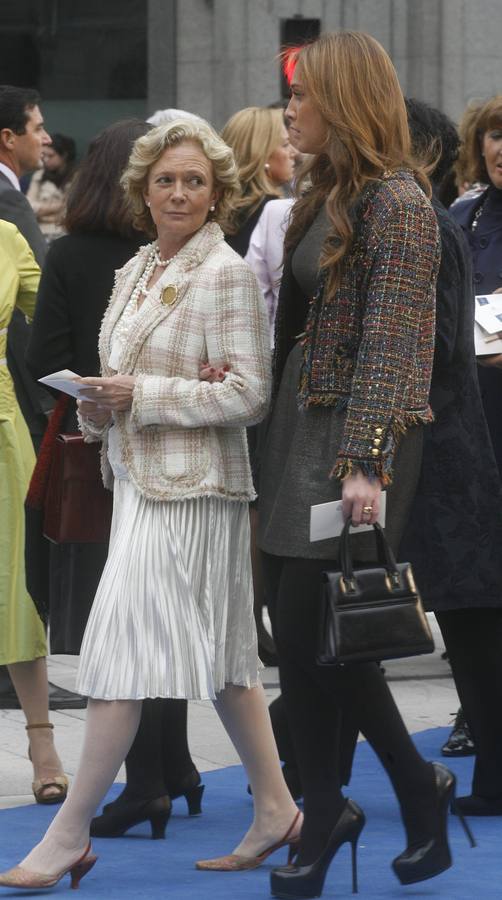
[301, 447]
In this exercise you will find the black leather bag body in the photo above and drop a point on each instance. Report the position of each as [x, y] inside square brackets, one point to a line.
[371, 614]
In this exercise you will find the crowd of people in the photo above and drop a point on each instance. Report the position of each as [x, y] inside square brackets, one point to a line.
[166, 269]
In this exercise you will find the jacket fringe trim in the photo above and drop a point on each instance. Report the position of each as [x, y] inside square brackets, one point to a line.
[382, 468]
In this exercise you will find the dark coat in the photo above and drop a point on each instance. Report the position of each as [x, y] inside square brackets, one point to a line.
[486, 248]
[454, 535]
[240, 241]
[34, 401]
[75, 287]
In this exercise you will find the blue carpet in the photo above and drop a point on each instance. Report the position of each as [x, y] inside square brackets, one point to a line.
[135, 867]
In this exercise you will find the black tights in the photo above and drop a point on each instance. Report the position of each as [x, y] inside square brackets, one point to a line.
[314, 695]
[473, 640]
[159, 760]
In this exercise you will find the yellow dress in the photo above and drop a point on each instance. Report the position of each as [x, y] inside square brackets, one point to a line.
[22, 635]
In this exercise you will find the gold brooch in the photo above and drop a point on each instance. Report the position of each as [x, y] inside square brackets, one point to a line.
[169, 295]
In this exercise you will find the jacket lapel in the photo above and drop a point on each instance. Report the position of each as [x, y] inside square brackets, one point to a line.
[163, 299]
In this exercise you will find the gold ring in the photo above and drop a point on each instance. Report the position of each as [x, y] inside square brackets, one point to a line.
[367, 509]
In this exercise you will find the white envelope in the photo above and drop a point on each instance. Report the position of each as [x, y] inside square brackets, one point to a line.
[326, 520]
[65, 381]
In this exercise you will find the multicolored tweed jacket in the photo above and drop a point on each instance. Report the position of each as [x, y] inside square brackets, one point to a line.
[369, 348]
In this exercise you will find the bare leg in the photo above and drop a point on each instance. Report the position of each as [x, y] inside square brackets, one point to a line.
[110, 730]
[31, 686]
[245, 715]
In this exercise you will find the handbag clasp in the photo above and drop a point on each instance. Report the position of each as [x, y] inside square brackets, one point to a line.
[394, 580]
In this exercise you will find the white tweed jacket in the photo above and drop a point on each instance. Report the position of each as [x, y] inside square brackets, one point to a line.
[184, 437]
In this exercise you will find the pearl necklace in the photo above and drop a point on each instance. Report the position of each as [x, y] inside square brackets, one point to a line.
[130, 310]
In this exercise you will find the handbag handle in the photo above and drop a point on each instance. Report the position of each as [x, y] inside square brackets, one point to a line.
[385, 556]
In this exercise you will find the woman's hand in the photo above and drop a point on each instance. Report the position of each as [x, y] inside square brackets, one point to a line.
[212, 374]
[114, 393]
[493, 361]
[359, 495]
[96, 414]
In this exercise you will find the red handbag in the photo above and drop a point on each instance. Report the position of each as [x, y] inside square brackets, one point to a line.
[77, 508]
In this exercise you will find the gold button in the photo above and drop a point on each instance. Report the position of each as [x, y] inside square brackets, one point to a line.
[378, 431]
[169, 295]
[377, 441]
[375, 452]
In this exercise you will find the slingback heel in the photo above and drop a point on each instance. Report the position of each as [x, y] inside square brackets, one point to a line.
[422, 861]
[26, 880]
[308, 881]
[233, 862]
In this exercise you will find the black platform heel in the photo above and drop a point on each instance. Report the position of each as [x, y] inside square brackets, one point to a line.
[119, 817]
[422, 861]
[308, 881]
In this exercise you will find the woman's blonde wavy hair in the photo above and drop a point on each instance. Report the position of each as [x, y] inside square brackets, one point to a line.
[352, 82]
[479, 117]
[253, 134]
[148, 149]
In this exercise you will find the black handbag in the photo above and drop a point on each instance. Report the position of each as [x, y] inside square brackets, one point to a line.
[371, 614]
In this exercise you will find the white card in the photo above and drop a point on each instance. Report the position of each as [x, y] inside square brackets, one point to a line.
[487, 312]
[483, 347]
[66, 381]
[326, 520]
[487, 315]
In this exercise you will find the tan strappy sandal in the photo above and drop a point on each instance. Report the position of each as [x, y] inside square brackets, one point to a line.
[48, 790]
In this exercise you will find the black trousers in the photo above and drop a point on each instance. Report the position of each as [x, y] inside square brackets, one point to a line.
[473, 640]
[314, 697]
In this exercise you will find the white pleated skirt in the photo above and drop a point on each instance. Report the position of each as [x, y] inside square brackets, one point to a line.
[173, 613]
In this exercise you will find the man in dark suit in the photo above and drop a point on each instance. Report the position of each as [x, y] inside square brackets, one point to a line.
[22, 139]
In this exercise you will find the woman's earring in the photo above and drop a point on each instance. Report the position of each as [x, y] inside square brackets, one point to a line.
[147, 202]
[267, 167]
[212, 208]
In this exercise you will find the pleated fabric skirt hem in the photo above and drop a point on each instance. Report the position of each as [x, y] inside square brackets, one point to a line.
[173, 613]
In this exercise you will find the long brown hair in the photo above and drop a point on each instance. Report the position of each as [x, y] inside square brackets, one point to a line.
[96, 201]
[352, 82]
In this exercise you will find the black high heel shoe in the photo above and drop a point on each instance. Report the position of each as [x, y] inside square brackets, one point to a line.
[422, 861]
[308, 881]
[118, 817]
[124, 812]
[191, 789]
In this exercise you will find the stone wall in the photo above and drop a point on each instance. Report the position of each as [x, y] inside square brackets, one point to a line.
[214, 57]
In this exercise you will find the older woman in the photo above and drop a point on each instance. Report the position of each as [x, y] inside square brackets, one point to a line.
[475, 635]
[173, 614]
[353, 371]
